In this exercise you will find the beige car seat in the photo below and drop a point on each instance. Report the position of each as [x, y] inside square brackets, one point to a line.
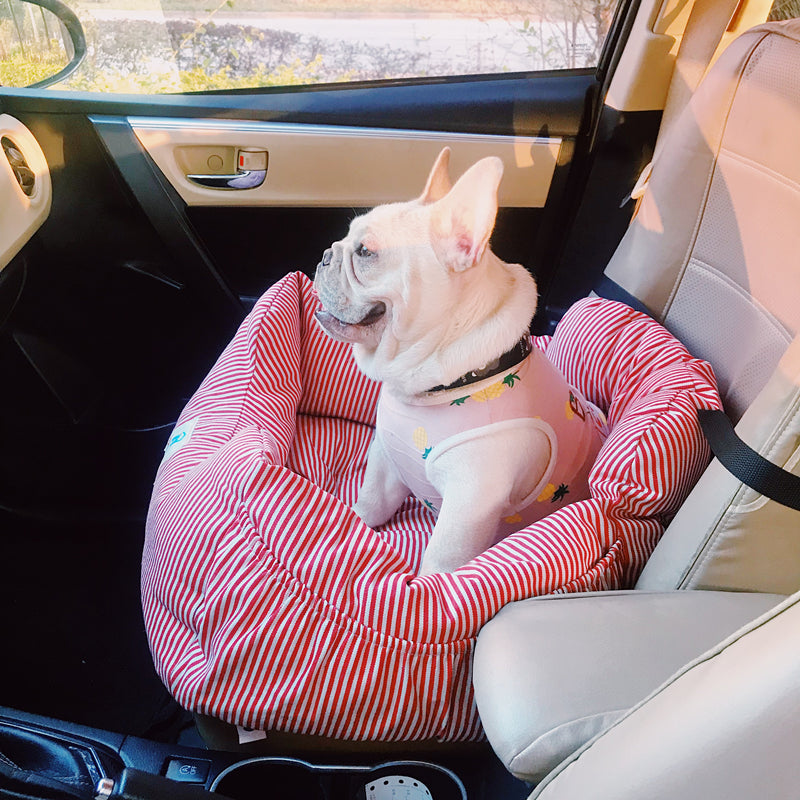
[658, 692]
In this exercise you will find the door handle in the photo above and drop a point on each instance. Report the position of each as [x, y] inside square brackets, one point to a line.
[251, 170]
[244, 179]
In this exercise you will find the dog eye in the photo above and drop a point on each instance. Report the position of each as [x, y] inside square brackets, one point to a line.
[364, 252]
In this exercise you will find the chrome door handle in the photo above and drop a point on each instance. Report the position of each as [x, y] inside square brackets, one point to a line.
[246, 179]
[251, 169]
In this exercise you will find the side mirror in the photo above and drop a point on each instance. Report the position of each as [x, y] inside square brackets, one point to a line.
[41, 43]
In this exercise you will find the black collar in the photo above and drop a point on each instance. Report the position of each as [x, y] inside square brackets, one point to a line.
[517, 354]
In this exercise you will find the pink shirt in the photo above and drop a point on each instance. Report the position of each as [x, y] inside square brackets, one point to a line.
[412, 432]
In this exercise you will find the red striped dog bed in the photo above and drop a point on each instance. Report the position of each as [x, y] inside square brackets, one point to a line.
[269, 604]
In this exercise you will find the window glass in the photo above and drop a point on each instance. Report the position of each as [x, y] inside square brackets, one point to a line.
[194, 45]
[32, 46]
[784, 9]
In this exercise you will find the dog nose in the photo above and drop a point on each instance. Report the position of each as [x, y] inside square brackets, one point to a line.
[327, 256]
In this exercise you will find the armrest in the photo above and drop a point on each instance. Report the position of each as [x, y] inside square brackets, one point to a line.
[552, 672]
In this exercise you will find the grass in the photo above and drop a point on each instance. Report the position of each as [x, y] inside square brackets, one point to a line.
[19, 70]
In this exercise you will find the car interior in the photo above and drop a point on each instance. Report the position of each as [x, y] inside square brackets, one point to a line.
[668, 179]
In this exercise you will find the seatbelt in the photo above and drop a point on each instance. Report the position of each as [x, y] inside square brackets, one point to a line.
[744, 463]
[707, 23]
[611, 290]
[704, 31]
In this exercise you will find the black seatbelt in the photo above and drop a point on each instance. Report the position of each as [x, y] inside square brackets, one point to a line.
[744, 463]
[611, 290]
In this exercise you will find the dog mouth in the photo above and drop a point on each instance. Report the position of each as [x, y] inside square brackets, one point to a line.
[364, 331]
[370, 318]
[373, 315]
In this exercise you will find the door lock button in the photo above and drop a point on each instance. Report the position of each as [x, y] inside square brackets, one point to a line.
[252, 160]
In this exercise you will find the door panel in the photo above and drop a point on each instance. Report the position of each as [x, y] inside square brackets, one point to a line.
[106, 340]
[317, 165]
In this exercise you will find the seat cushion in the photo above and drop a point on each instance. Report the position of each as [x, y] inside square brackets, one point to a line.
[270, 604]
[550, 673]
[723, 726]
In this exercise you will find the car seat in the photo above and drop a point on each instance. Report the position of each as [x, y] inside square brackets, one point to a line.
[661, 692]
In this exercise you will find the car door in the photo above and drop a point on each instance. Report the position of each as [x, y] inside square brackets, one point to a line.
[148, 247]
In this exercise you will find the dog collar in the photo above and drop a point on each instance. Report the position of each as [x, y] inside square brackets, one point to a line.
[516, 355]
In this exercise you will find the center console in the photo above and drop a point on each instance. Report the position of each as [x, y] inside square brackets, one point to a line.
[45, 758]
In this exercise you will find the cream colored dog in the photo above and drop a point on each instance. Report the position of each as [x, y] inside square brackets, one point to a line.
[471, 419]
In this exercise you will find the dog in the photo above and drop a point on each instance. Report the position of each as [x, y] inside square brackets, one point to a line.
[472, 418]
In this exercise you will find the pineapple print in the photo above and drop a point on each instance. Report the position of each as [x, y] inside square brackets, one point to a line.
[514, 519]
[574, 408]
[420, 440]
[491, 392]
[560, 493]
[553, 494]
[547, 493]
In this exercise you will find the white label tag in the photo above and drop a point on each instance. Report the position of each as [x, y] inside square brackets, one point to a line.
[180, 437]
[250, 734]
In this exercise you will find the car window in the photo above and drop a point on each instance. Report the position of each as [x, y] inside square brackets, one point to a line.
[195, 45]
[784, 9]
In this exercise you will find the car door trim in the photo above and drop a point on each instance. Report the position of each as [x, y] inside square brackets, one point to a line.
[338, 166]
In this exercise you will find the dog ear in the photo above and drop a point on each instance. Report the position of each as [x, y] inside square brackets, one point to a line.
[438, 184]
[463, 220]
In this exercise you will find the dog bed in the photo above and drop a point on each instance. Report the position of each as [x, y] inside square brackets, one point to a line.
[270, 605]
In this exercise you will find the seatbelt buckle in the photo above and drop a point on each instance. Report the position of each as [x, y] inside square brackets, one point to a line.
[638, 190]
[640, 186]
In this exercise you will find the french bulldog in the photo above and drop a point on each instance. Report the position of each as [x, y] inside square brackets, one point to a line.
[472, 418]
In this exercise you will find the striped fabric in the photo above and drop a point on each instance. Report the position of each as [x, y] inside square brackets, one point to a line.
[269, 604]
